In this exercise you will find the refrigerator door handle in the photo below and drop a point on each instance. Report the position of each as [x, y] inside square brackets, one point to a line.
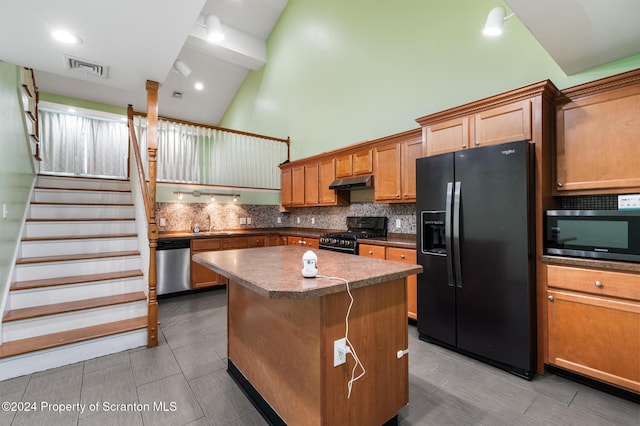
[456, 234]
[447, 233]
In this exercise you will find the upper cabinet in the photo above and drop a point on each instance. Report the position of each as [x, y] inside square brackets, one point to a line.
[306, 183]
[504, 123]
[395, 167]
[354, 164]
[598, 137]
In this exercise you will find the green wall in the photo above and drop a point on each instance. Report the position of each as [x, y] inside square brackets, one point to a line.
[340, 72]
[16, 168]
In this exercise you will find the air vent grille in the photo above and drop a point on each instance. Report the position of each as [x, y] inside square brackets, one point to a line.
[86, 67]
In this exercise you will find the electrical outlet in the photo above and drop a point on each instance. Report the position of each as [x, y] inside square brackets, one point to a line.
[398, 223]
[313, 220]
[279, 220]
[339, 352]
[243, 221]
[163, 221]
[297, 220]
[248, 221]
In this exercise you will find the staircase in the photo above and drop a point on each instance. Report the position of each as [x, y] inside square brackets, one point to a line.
[79, 291]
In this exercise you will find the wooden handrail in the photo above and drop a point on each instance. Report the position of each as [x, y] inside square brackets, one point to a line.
[209, 126]
[133, 141]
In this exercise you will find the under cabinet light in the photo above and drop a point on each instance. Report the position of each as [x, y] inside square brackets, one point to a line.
[213, 195]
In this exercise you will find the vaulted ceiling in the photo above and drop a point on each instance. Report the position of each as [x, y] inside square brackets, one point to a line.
[140, 40]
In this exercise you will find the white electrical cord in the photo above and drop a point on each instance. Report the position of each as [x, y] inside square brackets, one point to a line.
[350, 348]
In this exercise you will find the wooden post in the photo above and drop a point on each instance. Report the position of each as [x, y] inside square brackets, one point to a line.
[152, 145]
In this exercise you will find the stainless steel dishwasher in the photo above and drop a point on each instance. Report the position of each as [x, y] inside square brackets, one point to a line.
[173, 265]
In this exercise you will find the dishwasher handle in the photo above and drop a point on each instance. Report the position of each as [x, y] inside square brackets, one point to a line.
[173, 244]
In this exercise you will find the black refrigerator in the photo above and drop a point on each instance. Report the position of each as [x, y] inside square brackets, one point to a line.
[476, 243]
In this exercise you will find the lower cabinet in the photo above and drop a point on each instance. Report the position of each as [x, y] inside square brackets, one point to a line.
[201, 276]
[397, 255]
[593, 324]
[311, 243]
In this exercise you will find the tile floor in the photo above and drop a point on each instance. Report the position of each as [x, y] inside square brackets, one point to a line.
[185, 377]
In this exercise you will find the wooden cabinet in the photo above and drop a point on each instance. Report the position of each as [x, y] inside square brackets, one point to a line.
[397, 255]
[407, 256]
[395, 168]
[201, 276]
[593, 323]
[598, 137]
[286, 195]
[311, 243]
[297, 185]
[447, 136]
[257, 241]
[506, 123]
[371, 250]
[275, 240]
[354, 164]
[311, 184]
[307, 184]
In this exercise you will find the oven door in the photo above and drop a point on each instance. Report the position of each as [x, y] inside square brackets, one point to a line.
[347, 250]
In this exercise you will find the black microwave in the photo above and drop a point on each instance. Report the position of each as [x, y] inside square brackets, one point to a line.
[596, 234]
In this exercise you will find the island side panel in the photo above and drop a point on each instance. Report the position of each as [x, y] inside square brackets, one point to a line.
[377, 330]
[275, 343]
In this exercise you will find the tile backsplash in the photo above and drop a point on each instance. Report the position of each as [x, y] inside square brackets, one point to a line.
[590, 202]
[183, 216]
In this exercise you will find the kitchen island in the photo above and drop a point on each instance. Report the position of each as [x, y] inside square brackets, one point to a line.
[282, 328]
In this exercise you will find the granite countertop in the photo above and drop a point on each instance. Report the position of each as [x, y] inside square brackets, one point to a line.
[275, 272]
[609, 265]
[392, 240]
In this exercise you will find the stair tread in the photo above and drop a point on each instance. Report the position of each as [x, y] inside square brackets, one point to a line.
[79, 219]
[53, 340]
[70, 203]
[75, 279]
[78, 237]
[74, 177]
[83, 256]
[76, 305]
[58, 188]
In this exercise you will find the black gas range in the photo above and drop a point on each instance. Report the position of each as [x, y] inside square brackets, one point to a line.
[358, 228]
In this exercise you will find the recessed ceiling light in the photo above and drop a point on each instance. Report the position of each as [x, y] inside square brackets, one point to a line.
[199, 86]
[64, 36]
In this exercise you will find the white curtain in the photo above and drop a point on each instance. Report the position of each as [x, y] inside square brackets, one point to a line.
[203, 155]
[177, 156]
[88, 146]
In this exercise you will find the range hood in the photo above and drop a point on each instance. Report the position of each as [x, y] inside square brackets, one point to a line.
[358, 182]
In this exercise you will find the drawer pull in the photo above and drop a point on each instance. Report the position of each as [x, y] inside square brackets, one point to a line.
[370, 251]
[402, 256]
[598, 284]
[550, 298]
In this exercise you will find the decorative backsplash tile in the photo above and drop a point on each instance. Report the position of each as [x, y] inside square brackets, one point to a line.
[183, 216]
[590, 202]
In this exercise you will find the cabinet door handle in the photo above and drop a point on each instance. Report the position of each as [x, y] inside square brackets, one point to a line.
[559, 184]
[477, 142]
[402, 256]
[464, 145]
[405, 194]
[598, 284]
[550, 298]
[370, 251]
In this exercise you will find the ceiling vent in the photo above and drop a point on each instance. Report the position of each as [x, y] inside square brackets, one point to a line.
[177, 94]
[86, 67]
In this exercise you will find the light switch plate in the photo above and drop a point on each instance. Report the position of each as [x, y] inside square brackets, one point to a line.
[398, 223]
[163, 221]
[629, 202]
[243, 221]
[248, 221]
